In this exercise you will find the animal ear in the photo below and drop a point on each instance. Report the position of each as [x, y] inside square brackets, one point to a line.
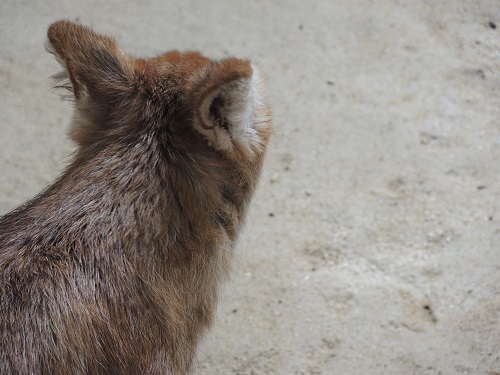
[228, 101]
[97, 69]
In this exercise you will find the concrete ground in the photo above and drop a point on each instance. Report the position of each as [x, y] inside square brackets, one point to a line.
[373, 245]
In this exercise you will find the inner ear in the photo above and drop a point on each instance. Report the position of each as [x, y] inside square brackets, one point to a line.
[228, 104]
[217, 112]
[213, 110]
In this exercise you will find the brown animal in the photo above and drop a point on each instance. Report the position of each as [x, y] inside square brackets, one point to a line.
[115, 267]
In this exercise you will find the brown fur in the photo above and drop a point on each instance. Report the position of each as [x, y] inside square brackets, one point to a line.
[114, 268]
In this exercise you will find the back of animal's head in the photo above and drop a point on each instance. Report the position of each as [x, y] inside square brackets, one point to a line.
[199, 102]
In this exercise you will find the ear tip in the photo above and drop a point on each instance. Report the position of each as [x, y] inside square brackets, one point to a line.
[60, 28]
[237, 68]
[55, 31]
[56, 27]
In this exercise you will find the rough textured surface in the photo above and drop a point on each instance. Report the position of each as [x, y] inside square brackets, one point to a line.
[373, 245]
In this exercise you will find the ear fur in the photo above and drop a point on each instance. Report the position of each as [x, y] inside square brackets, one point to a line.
[229, 107]
[93, 63]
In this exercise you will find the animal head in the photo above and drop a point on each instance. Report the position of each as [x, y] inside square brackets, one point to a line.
[185, 100]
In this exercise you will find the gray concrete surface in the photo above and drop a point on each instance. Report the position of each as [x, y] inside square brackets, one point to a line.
[373, 246]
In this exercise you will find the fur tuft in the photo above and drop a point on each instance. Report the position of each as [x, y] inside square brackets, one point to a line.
[61, 84]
